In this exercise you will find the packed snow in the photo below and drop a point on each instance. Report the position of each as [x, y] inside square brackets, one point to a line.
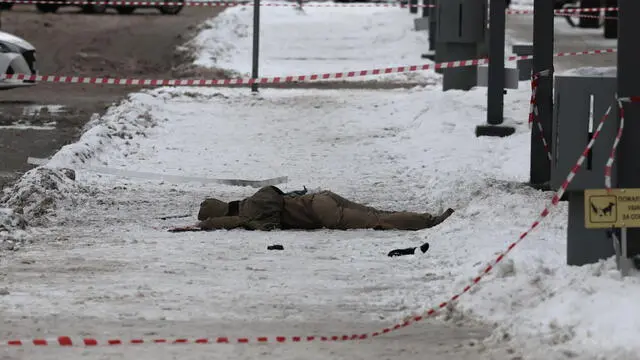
[99, 261]
[315, 40]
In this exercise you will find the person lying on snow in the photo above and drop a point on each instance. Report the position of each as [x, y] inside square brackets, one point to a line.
[270, 208]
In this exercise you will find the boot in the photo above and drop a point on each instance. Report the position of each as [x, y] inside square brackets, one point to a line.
[442, 217]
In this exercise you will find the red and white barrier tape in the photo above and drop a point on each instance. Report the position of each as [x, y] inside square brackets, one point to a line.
[206, 3]
[609, 165]
[277, 79]
[533, 109]
[203, 3]
[563, 11]
[90, 342]
[594, 17]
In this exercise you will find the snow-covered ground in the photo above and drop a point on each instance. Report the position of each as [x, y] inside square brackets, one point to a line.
[109, 257]
[100, 263]
[315, 40]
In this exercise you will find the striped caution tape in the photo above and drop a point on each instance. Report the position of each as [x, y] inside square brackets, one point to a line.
[218, 3]
[533, 109]
[204, 3]
[564, 11]
[277, 79]
[612, 155]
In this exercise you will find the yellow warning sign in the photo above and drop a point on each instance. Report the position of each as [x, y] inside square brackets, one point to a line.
[616, 208]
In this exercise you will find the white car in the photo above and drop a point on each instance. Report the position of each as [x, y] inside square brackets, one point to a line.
[17, 56]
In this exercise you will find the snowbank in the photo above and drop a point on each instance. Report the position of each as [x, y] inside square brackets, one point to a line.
[42, 192]
[118, 126]
[315, 40]
[607, 71]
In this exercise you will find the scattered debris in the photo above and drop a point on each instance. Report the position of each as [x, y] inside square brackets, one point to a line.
[174, 217]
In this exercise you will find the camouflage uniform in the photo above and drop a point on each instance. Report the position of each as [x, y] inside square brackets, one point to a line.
[270, 209]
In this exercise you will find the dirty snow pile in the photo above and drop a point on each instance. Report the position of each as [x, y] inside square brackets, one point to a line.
[41, 192]
[315, 40]
[12, 228]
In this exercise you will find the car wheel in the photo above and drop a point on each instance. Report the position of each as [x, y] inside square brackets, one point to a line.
[94, 9]
[570, 19]
[171, 9]
[47, 8]
[6, 6]
[125, 10]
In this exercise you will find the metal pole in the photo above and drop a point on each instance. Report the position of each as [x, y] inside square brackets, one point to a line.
[629, 85]
[413, 8]
[543, 37]
[256, 43]
[624, 261]
[433, 25]
[495, 96]
[611, 20]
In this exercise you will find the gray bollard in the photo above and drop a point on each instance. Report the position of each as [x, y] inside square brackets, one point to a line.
[627, 75]
[524, 66]
[543, 33]
[423, 23]
[433, 29]
[573, 128]
[461, 28]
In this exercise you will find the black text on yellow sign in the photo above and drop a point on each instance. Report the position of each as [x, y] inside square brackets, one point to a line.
[619, 208]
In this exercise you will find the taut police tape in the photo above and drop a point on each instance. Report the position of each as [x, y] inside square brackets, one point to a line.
[200, 3]
[277, 79]
[66, 341]
[533, 109]
[564, 11]
[612, 155]
[218, 3]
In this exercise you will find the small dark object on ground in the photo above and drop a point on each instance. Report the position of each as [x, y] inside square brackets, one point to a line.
[185, 229]
[275, 247]
[174, 217]
[400, 252]
[494, 130]
[408, 251]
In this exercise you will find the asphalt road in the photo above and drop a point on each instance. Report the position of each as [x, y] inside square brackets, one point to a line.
[71, 43]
